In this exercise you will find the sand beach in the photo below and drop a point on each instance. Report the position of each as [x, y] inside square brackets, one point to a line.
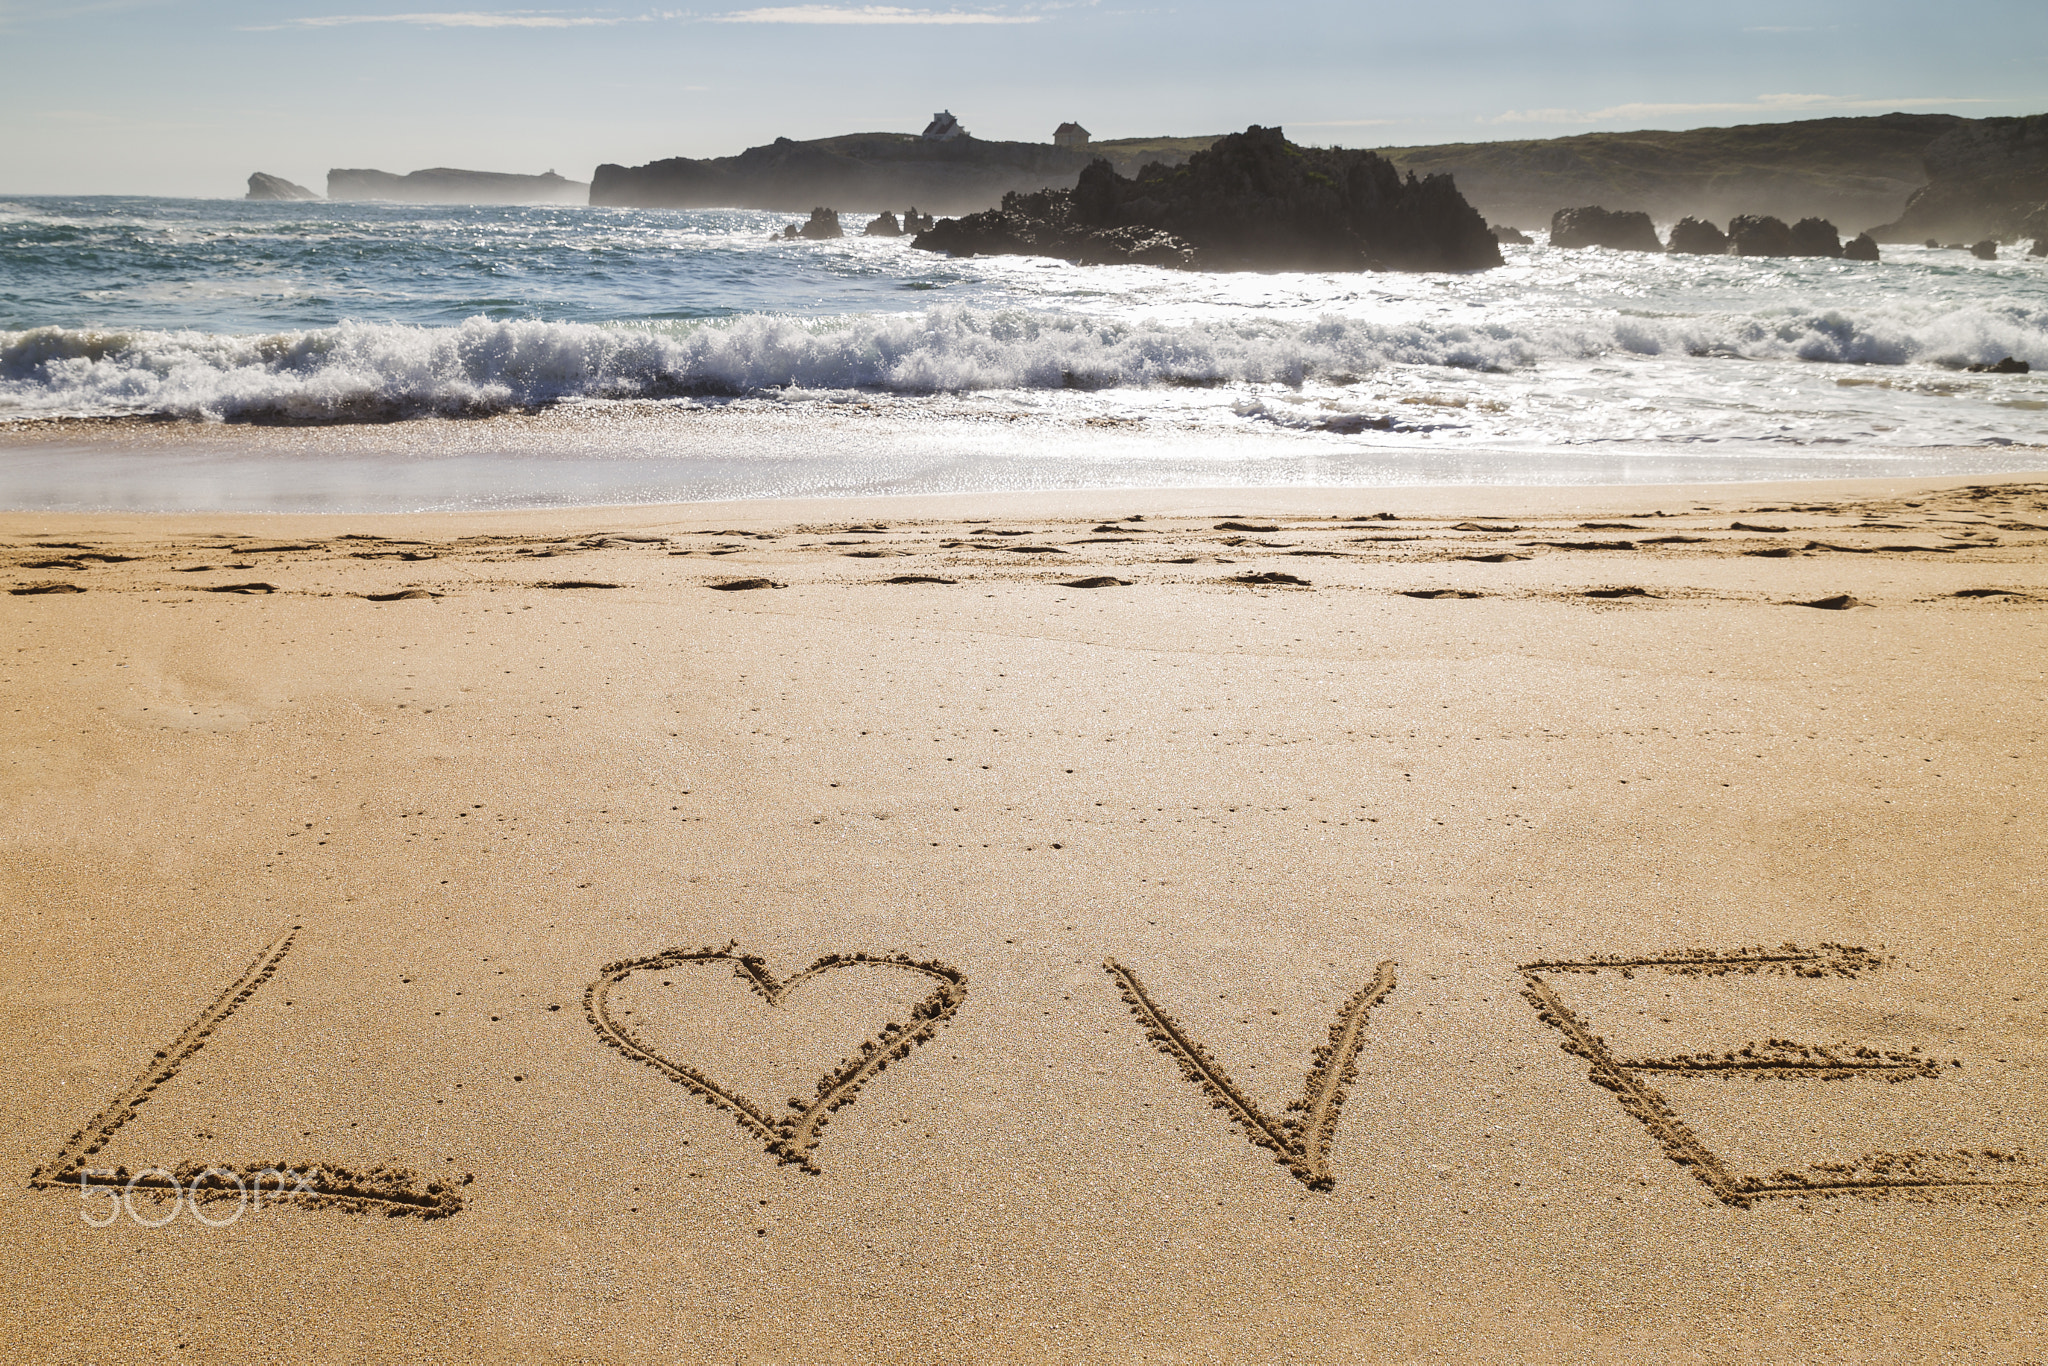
[1283, 925]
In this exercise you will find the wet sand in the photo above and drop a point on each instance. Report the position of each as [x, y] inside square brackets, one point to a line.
[1310, 925]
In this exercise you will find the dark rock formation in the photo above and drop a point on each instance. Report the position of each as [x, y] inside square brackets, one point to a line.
[1596, 227]
[1863, 248]
[1253, 201]
[2008, 366]
[1511, 237]
[1815, 237]
[824, 225]
[1986, 178]
[1752, 236]
[263, 186]
[2040, 247]
[1697, 237]
[913, 221]
[883, 224]
[1986, 250]
[443, 185]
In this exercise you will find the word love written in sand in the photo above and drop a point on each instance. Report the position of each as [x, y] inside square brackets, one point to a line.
[1301, 1140]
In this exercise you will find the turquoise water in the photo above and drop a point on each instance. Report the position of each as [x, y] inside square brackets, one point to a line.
[319, 314]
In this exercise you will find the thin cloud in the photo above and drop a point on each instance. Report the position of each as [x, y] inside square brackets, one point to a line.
[459, 19]
[865, 14]
[1762, 104]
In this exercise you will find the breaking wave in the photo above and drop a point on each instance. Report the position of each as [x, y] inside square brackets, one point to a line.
[379, 372]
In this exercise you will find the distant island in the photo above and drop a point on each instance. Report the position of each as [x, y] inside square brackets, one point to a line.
[445, 185]
[263, 186]
[943, 170]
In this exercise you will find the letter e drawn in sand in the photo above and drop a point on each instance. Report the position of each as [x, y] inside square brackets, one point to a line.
[385, 1190]
[1300, 1142]
[792, 1137]
[1985, 1172]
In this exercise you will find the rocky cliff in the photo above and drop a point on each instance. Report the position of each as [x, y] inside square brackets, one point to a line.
[263, 186]
[862, 173]
[1856, 170]
[445, 185]
[867, 172]
[1985, 178]
[1252, 201]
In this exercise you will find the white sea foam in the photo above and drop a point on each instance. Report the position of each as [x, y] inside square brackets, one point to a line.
[372, 371]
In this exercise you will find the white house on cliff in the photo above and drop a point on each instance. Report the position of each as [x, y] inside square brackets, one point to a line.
[944, 127]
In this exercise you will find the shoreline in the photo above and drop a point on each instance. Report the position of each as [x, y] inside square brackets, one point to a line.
[1439, 500]
[654, 455]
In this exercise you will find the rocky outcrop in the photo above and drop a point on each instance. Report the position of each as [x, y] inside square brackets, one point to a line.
[1863, 248]
[263, 186]
[2040, 247]
[1594, 226]
[1815, 237]
[824, 226]
[1986, 178]
[1986, 250]
[1511, 237]
[1697, 237]
[1252, 201]
[445, 185]
[883, 224]
[2008, 366]
[1749, 235]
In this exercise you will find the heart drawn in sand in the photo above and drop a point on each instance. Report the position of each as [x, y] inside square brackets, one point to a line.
[793, 1136]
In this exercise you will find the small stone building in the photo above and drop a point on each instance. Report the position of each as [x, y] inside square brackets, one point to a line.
[1072, 136]
[944, 127]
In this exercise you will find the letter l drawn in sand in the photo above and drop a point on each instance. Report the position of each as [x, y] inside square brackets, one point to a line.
[383, 1190]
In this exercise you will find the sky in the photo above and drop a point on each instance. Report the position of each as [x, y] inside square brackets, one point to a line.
[187, 97]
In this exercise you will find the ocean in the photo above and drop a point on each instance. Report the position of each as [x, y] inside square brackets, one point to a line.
[525, 347]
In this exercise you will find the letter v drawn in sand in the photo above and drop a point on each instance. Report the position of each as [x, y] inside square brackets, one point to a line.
[1300, 1142]
[2004, 1176]
[380, 1190]
[794, 1136]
